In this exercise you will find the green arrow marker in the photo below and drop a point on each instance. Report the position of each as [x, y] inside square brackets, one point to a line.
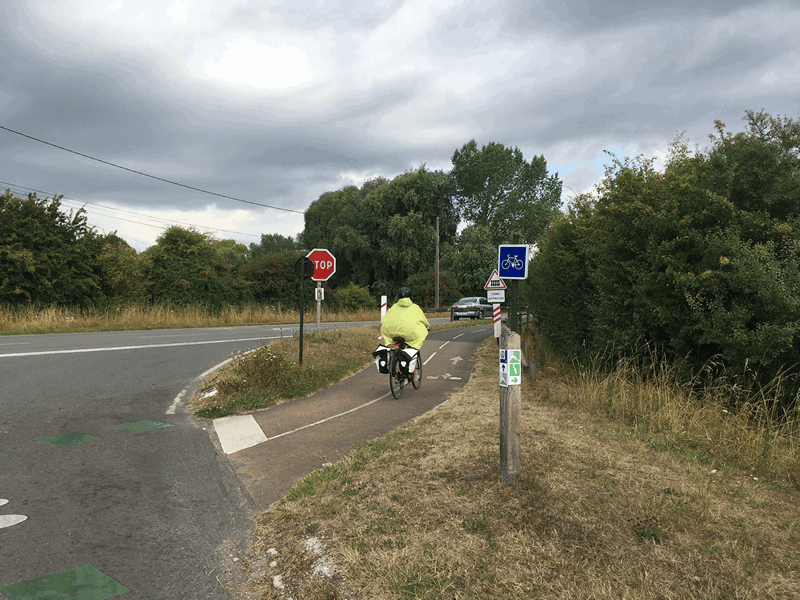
[83, 583]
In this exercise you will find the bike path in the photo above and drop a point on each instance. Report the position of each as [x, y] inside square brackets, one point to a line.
[299, 436]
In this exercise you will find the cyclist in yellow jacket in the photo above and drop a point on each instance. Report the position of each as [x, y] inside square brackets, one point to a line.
[405, 319]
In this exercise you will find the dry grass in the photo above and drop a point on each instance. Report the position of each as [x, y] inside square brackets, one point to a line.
[671, 414]
[600, 511]
[272, 374]
[59, 319]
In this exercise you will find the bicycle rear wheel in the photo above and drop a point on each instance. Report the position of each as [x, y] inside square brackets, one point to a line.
[416, 378]
[397, 380]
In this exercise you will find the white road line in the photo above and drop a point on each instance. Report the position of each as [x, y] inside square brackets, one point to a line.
[429, 359]
[203, 375]
[459, 335]
[225, 362]
[275, 437]
[114, 348]
[174, 405]
[240, 432]
[445, 344]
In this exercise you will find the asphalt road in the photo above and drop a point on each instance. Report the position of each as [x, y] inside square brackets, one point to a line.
[118, 484]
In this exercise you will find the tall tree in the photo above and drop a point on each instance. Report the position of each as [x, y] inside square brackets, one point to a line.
[46, 256]
[123, 271]
[496, 187]
[272, 279]
[475, 257]
[334, 222]
[231, 255]
[399, 222]
[186, 269]
[271, 242]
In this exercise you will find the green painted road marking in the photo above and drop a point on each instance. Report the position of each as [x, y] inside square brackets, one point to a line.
[80, 583]
[142, 426]
[67, 439]
[2, 455]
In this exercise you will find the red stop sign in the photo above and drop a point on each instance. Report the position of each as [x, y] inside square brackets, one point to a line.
[324, 264]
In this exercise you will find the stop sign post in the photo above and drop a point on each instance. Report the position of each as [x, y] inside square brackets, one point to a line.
[324, 268]
[324, 264]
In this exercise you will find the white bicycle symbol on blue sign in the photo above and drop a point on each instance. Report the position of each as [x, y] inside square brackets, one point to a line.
[513, 262]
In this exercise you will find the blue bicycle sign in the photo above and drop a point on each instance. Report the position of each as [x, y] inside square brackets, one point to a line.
[512, 261]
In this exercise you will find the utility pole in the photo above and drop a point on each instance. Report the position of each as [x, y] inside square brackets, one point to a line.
[437, 262]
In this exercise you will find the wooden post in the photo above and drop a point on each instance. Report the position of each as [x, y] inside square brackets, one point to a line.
[510, 404]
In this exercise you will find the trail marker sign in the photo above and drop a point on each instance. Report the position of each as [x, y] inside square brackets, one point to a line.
[324, 264]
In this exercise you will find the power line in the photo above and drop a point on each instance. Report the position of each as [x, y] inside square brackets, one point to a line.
[157, 226]
[105, 162]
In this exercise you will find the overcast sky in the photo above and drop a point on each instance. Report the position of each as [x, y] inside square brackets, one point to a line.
[278, 102]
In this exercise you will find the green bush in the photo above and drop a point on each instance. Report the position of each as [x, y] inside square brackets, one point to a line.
[46, 256]
[353, 297]
[701, 260]
[186, 269]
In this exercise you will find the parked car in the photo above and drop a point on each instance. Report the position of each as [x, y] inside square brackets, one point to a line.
[473, 307]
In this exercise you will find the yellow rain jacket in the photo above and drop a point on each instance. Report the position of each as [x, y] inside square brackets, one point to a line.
[405, 319]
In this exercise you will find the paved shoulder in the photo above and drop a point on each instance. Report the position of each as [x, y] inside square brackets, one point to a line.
[271, 449]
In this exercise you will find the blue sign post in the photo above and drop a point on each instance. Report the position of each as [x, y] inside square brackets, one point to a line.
[512, 261]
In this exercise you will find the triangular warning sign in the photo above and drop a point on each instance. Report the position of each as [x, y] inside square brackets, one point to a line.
[495, 283]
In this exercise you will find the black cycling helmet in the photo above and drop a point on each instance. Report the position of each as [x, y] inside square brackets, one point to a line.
[404, 292]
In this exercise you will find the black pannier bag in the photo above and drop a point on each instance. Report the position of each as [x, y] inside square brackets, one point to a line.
[407, 360]
[381, 355]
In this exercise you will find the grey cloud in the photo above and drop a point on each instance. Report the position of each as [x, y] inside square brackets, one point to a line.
[129, 108]
[302, 156]
[586, 16]
[341, 15]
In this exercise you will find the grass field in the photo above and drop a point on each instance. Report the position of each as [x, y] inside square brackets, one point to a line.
[63, 320]
[607, 506]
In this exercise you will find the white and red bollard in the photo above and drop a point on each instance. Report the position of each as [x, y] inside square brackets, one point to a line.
[383, 307]
[496, 315]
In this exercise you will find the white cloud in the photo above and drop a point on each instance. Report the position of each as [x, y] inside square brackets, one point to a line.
[244, 62]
